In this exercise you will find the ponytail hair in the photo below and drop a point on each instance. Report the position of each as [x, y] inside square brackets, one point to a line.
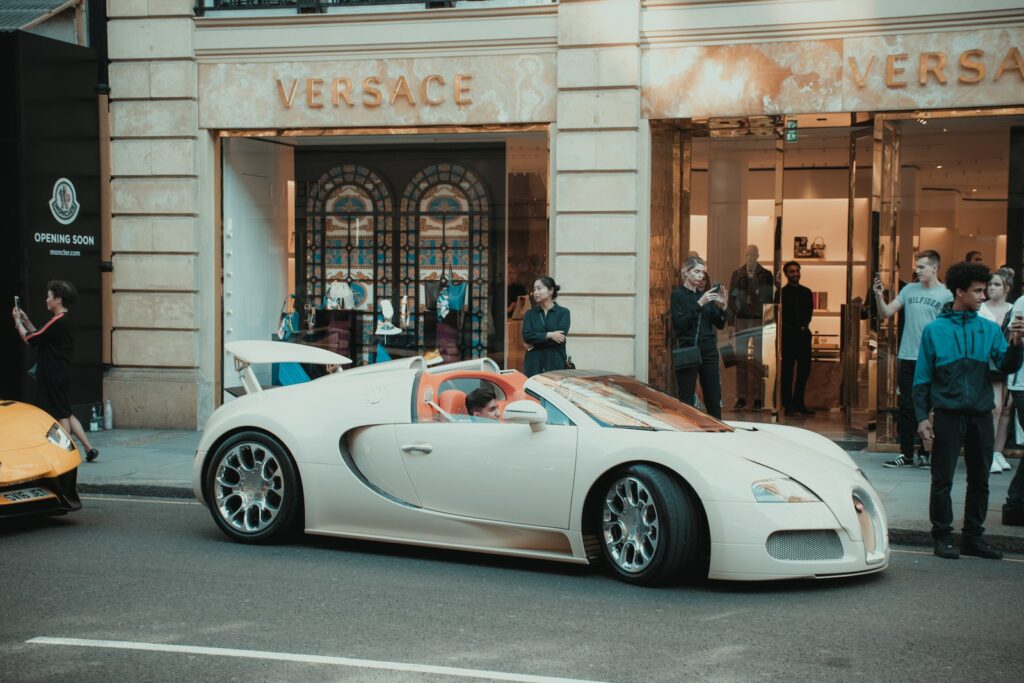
[549, 282]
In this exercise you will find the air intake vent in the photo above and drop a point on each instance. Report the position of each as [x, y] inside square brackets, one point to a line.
[804, 546]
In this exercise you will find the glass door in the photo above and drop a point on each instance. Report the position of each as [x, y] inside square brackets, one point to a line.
[858, 341]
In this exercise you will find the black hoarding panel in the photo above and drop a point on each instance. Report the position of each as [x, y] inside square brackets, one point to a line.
[59, 196]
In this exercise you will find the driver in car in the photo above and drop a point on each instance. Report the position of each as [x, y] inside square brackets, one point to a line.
[483, 403]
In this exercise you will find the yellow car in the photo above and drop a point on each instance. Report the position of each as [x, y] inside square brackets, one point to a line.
[38, 463]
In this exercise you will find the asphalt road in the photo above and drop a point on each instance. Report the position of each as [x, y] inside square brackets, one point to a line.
[151, 573]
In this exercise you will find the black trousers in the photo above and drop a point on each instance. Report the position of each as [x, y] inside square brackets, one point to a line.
[796, 350]
[749, 373]
[1015, 494]
[710, 381]
[906, 425]
[974, 433]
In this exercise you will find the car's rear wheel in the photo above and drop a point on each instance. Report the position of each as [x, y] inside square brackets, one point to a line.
[650, 527]
[252, 488]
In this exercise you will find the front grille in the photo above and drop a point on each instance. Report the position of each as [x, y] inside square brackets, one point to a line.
[805, 546]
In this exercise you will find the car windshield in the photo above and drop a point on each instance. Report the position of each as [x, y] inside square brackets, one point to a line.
[627, 403]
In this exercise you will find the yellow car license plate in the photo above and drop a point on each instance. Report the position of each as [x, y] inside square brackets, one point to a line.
[21, 495]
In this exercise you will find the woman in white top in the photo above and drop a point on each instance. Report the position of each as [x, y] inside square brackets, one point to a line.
[996, 309]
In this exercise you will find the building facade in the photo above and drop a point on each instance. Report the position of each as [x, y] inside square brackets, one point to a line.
[260, 156]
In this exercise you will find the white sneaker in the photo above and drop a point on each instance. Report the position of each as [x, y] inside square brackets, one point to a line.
[999, 458]
[996, 467]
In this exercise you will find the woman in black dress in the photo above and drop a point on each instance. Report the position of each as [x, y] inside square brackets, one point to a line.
[54, 344]
[695, 314]
[545, 328]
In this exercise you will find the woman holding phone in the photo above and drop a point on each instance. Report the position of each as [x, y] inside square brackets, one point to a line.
[54, 343]
[695, 315]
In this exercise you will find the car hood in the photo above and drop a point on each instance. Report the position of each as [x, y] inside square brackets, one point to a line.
[22, 425]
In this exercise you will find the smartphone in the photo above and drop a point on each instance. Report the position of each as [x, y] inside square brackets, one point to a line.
[17, 301]
[715, 287]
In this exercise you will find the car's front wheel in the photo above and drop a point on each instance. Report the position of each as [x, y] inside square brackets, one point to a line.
[650, 527]
[252, 488]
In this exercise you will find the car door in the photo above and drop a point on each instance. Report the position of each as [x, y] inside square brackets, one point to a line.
[492, 470]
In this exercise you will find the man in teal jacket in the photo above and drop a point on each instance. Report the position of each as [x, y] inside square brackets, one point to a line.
[951, 379]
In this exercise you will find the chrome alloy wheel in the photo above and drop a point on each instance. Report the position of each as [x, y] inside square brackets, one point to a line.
[249, 487]
[630, 524]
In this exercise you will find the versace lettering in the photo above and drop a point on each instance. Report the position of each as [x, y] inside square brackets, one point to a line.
[374, 91]
[932, 68]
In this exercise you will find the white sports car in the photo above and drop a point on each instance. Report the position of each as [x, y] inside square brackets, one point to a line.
[584, 466]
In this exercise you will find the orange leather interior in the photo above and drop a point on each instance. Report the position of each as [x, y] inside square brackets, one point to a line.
[510, 383]
[453, 401]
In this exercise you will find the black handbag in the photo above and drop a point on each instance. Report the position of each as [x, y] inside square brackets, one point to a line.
[685, 357]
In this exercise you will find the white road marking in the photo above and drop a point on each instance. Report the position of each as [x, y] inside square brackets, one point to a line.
[927, 552]
[122, 499]
[307, 659]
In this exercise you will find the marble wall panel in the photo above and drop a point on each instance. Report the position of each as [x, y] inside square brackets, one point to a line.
[155, 348]
[605, 233]
[736, 80]
[599, 109]
[153, 195]
[596, 192]
[598, 22]
[613, 354]
[157, 233]
[155, 309]
[155, 272]
[153, 398]
[501, 89]
[152, 157]
[601, 67]
[868, 85]
[597, 150]
[601, 314]
[152, 118]
[596, 274]
[150, 38]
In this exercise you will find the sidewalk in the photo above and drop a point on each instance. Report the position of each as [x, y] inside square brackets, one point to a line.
[143, 462]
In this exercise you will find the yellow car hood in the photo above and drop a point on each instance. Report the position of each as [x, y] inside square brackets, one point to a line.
[25, 452]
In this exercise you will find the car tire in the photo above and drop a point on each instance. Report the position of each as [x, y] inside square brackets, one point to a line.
[253, 489]
[649, 527]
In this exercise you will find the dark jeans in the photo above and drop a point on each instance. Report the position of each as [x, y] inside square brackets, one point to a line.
[796, 349]
[749, 373]
[710, 381]
[975, 433]
[1015, 495]
[907, 423]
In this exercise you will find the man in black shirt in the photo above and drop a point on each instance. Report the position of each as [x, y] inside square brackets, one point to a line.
[797, 309]
[750, 287]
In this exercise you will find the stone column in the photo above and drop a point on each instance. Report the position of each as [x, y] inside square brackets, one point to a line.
[154, 207]
[597, 216]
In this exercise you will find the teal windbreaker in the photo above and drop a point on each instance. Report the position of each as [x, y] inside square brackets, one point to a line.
[952, 365]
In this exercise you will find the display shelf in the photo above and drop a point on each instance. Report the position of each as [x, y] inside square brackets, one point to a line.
[824, 262]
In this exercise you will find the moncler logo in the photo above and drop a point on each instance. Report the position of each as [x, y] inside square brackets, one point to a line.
[64, 204]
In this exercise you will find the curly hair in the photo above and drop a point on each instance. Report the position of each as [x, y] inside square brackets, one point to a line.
[960, 276]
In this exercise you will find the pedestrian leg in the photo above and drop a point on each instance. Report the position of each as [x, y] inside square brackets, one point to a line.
[711, 382]
[945, 451]
[803, 370]
[907, 425]
[786, 374]
[686, 384]
[978, 461]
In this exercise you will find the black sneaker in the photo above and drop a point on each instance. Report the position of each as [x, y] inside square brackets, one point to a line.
[902, 461]
[945, 549]
[979, 548]
[924, 461]
[741, 403]
[758, 405]
[92, 455]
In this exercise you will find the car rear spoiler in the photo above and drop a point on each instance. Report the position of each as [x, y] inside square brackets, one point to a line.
[254, 351]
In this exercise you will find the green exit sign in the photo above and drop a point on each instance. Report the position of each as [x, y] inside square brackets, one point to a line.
[791, 135]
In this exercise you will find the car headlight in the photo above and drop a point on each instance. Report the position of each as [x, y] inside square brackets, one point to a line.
[58, 437]
[781, 491]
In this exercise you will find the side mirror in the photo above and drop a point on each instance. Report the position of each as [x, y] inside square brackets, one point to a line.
[526, 413]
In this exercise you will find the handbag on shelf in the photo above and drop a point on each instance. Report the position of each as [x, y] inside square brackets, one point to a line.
[686, 357]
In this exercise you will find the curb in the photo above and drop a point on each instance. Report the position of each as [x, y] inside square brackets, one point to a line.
[147, 490]
[918, 537]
